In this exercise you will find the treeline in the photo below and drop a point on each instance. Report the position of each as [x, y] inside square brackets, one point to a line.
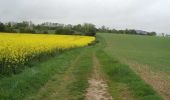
[48, 28]
[104, 29]
[57, 28]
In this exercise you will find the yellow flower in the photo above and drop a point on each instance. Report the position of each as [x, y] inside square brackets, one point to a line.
[19, 48]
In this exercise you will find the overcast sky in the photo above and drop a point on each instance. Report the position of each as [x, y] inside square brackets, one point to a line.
[149, 15]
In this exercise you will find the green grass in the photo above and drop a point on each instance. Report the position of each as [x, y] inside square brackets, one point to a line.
[148, 56]
[153, 51]
[122, 80]
[65, 76]
[28, 82]
[121, 76]
[72, 84]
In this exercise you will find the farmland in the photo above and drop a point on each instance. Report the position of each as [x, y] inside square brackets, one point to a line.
[16, 50]
[147, 56]
[132, 67]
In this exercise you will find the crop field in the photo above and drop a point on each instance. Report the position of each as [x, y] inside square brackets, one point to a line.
[18, 49]
[148, 56]
[114, 67]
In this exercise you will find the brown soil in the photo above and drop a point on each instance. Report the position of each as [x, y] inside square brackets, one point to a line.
[97, 89]
[159, 81]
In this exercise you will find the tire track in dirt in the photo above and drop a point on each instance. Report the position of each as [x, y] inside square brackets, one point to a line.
[97, 89]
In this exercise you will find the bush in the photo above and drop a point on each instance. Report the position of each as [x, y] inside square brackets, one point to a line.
[45, 32]
[64, 31]
[23, 30]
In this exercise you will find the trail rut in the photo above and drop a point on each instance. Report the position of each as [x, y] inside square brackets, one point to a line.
[97, 89]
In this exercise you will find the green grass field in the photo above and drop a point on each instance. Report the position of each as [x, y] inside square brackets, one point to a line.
[132, 66]
[148, 56]
[153, 51]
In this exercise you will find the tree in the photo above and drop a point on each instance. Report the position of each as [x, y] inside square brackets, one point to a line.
[78, 28]
[2, 27]
[59, 31]
[103, 28]
[45, 32]
[89, 29]
[152, 33]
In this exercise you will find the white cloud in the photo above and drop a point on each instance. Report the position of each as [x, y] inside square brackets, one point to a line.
[151, 15]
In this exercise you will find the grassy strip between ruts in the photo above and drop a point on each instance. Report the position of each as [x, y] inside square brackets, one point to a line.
[73, 83]
[119, 74]
[83, 68]
[20, 86]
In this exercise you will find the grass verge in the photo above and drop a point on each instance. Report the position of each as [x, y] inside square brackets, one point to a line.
[28, 82]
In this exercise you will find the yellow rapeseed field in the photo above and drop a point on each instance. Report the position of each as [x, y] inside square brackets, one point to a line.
[18, 49]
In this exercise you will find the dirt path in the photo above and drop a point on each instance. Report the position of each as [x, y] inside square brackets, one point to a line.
[97, 89]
